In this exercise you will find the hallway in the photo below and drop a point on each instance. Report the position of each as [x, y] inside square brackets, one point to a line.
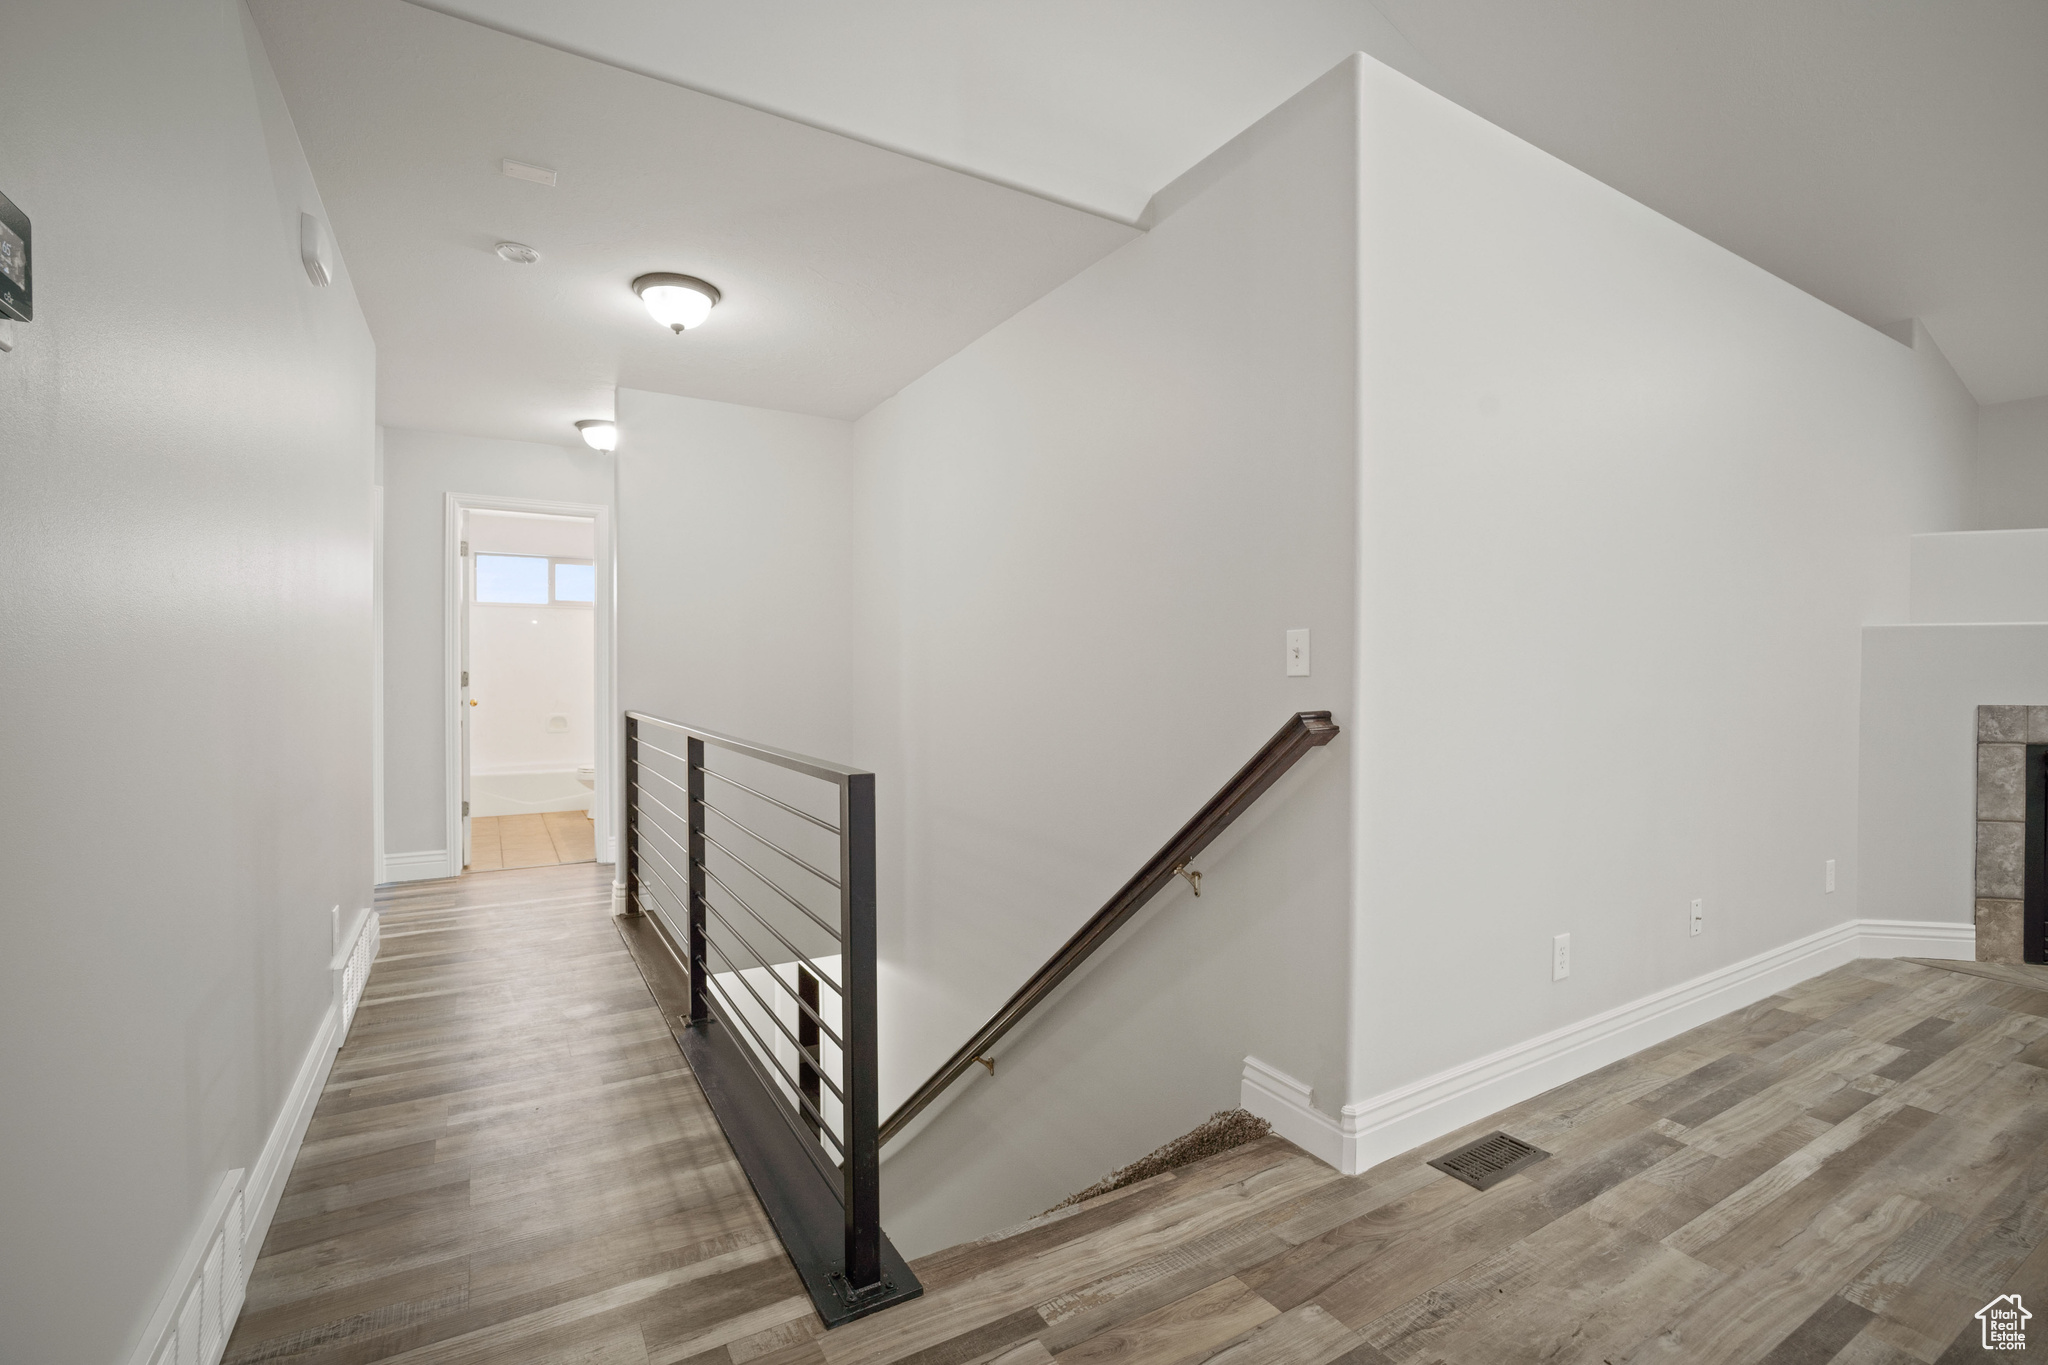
[511, 1161]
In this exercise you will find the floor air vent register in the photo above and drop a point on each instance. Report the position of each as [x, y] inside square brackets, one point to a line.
[1488, 1161]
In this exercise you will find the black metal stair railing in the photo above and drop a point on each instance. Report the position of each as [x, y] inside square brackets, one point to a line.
[779, 945]
[778, 942]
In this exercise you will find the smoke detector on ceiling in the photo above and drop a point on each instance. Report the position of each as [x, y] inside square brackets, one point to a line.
[518, 253]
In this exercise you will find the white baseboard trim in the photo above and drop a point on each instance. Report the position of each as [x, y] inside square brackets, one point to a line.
[1371, 1130]
[196, 1315]
[418, 867]
[274, 1165]
[353, 956]
[193, 1319]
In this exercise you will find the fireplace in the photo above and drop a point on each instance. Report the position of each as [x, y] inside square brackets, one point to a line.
[2012, 834]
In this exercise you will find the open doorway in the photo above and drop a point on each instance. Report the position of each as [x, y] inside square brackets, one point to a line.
[529, 644]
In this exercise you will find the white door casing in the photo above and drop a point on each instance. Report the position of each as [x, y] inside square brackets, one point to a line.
[466, 567]
[605, 726]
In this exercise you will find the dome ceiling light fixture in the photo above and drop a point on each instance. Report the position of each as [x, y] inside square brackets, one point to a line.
[679, 302]
[599, 433]
[519, 253]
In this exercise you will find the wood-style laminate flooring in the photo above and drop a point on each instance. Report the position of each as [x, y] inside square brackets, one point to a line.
[511, 1163]
[499, 842]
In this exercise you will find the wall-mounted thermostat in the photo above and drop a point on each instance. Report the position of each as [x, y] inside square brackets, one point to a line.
[17, 298]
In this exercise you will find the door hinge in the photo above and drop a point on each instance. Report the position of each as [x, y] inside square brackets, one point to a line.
[465, 549]
[465, 677]
[465, 808]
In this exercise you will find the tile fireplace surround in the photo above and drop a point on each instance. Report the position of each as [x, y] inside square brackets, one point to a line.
[2003, 733]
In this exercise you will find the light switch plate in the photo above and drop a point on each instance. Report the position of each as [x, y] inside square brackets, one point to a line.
[1297, 653]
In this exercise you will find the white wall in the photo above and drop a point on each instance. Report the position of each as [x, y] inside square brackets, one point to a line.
[530, 533]
[530, 663]
[2011, 473]
[1084, 539]
[735, 574]
[526, 666]
[1979, 576]
[1922, 685]
[185, 532]
[420, 469]
[1627, 503]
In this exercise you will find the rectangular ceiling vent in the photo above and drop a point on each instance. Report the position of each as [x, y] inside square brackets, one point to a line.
[1488, 1161]
[519, 170]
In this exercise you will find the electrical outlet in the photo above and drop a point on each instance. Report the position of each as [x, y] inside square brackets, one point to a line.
[1297, 654]
[1560, 957]
[1699, 913]
[1831, 874]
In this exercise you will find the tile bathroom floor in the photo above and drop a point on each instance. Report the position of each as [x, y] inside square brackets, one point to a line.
[497, 842]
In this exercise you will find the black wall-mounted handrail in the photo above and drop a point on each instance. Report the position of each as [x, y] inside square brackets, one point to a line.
[1303, 731]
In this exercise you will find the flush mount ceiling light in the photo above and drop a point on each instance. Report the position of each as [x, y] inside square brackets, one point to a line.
[519, 253]
[599, 434]
[679, 302]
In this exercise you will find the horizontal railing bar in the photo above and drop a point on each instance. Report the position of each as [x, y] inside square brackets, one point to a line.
[1303, 731]
[656, 772]
[767, 1008]
[723, 814]
[682, 905]
[825, 825]
[804, 1104]
[708, 838]
[680, 875]
[768, 1054]
[685, 848]
[642, 791]
[711, 840]
[815, 872]
[736, 970]
[762, 958]
[821, 972]
[685, 900]
[657, 827]
[682, 902]
[823, 769]
[642, 741]
[794, 951]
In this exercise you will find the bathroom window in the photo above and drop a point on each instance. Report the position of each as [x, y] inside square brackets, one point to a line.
[575, 581]
[535, 580]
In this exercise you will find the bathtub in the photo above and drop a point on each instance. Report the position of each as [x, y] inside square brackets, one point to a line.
[528, 793]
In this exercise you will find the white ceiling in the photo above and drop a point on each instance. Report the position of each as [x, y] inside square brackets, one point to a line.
[847, 270]
[1889, 156]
